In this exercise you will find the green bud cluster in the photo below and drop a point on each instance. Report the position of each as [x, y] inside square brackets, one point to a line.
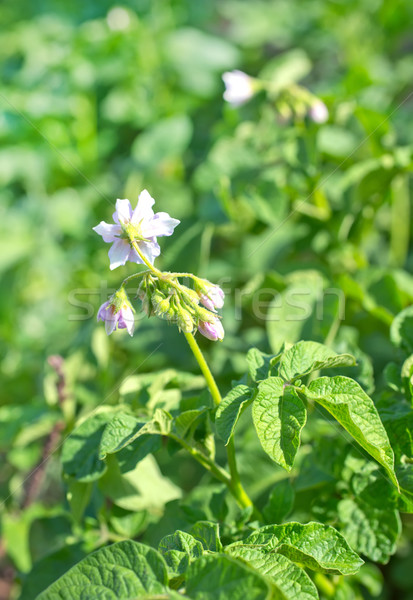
[168, 299]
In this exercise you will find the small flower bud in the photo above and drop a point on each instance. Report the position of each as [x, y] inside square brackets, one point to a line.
[205, 315]
[211, 296]
[213, 330]
[185, 321]
[117, 313]
[318, 112]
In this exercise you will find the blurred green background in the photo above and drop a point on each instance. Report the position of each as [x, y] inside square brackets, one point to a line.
[99, 101]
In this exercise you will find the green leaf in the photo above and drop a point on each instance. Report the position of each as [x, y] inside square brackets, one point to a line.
[78, 496]
[143, 487]
[259, 364]
[279, 416]
[356, 412]
[405, 477]
[305, 357]
[123, 571]
[124, 429]
[337, 141]
[208, 534]
[220, 577]
[304, 310]
[118, 432]
[179, 550]
[80, 453]
[132, 454]
[164, 140]
[401, 330]
[314, 545]
[230, 409]
[371, 531]
[286, 69]
[289, 581]
[187, 420]
[280, 502]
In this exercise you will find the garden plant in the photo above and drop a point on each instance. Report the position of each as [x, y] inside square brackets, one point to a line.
[207, 382]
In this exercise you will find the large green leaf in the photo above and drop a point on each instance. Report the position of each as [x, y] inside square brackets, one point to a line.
[119, 572]
[230, 409]
[208, 534]
[164, 140]
[259, 364]
[289, 581]
[141, 488]
[371, 531]
[401, 331]
[220, 577]
[124, 429]
[314, 545]
[279, 416]
[356, 412]
[305, 357]
[179, 550]
[280, 502]
[80, 452]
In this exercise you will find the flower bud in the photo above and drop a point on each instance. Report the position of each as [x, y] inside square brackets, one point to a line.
[211, 296]
[213, 331]
[318, 112]
[185, 320]
[117, 313]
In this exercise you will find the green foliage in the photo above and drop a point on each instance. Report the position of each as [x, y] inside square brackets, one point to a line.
[279, 416]
[123, 570]
[316, 546]
[307, 227]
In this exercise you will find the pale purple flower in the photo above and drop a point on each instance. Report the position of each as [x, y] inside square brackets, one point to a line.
[239, 87]
[142, 224]
[212, 297]
[116, 319]
[213, 331]
[318, 112]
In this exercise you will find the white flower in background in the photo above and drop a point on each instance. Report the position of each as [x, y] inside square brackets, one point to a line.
[239, 87]
[318, 112]
[140, 225]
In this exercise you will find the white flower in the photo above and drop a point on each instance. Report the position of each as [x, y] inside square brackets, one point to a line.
[238, 87]
[318, 112]
[113, 317]
[141, 224]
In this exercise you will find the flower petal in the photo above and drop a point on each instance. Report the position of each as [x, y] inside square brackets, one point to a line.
[123, 211]
[161, 224]
[108, 232]
[110, 324]
[143, 210]
[150, 250]
[118, 253]
[126, 319]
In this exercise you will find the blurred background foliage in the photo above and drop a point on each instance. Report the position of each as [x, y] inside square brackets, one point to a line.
[99, 101]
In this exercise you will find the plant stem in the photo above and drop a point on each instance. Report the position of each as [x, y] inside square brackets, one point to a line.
[234, 484]
[196, 350]
[206, 462]
[324, 585]
[145, 260]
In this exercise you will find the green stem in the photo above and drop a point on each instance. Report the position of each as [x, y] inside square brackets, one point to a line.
[157, 272]
[211, 383]
[234, 484]
[324, 585]
[206, 462]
